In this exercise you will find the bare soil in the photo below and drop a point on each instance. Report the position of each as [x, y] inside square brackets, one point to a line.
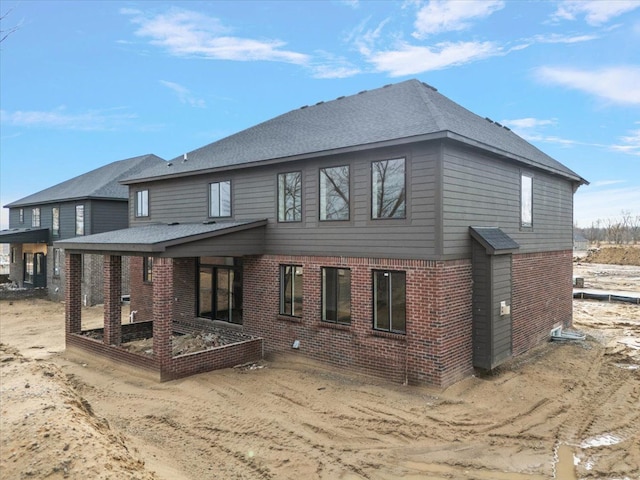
[290, 418]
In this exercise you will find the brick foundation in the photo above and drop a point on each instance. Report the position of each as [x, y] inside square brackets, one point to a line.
[436, 348]
[542, 296]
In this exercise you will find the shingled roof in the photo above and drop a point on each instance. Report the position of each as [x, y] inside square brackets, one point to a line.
[405, 111]
[101, 183]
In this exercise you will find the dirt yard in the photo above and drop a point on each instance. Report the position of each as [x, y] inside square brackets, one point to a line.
[289, 418]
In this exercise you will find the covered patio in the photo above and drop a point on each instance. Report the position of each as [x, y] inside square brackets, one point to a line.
[167, 298]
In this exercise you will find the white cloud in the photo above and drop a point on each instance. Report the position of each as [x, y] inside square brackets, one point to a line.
[440, 16]
[615, 84]
[92, 120]
[605, 183]
[186, 33]
[594, 12]
[412, 59]
[629, 143]
[183, 93]
[527, 123]
[558, 38]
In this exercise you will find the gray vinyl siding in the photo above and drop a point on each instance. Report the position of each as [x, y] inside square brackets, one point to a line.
[482, 191]
[501, 328]
[108, 215]
[254, 196]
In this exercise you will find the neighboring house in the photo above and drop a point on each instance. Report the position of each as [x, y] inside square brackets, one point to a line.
[94, 202]
[392, 232]
[580, 242]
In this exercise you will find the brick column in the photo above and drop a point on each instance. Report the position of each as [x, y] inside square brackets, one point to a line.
[112, 296]
[73, 293]
[163, 310]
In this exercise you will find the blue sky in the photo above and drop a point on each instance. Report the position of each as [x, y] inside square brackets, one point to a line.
[86, 83]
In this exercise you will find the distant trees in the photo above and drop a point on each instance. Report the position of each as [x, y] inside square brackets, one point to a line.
[621, 230]
[4, 33]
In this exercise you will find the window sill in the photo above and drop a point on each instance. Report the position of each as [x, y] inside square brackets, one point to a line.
[393, 336]
[335, 326]
[288, 318]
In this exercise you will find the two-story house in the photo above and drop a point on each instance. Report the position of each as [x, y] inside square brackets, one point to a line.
[393, 232]
[91, 203]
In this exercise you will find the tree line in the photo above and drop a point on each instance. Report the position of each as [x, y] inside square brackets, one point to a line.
[620, 230]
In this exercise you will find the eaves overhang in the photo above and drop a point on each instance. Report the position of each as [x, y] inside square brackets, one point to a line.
[55, 201]
[155, 239]
[25, 235]
[440, 135]
[494, 240]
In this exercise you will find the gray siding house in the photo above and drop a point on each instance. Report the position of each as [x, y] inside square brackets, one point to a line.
[392, 232]
[94, 202]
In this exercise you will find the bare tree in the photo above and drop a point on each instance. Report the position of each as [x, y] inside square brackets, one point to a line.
[4, 33]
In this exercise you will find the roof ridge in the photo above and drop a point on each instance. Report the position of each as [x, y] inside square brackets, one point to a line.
[435, 111]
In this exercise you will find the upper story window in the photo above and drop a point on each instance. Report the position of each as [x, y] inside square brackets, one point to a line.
[147, 269]
[290, 197]
[388, 192]
[526, 201]
[336, 295]
[291, 290]
[79, 219]
[220, 199]
[55, 221]
[21, 215]
[142, 203]
[389, 301]
[35, 217]
[334, 193]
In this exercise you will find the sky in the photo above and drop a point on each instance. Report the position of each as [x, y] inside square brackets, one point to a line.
[86, 83]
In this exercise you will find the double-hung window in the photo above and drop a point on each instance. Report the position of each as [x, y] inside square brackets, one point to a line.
[334, 193]
[220, 199]
[526, 201]
[21, 215]
[291, 290]
[336, 295]
[389, 301]
[35, 217]
[388, 190]
[55, 221]
[56, 262]
[79, 219]
[142, 203]
[147, 269]
[290, 197]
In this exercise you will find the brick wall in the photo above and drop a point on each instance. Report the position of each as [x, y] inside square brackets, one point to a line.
[542, 296]
[436, 348]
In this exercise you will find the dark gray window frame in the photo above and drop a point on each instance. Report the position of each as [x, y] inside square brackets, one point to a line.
[348, 194]
[389, 298]
[80, 231]
[55, 221]
[293, 271]
[337, 297]
[147, 269]
[21, 215]
[142, 203]
[372, 198]
[56, 262]
[281, 200]
[210, 195]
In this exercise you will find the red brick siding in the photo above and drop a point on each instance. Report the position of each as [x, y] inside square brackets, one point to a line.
[436, 348]
[542, 296]
[112, 299]
[73, 294]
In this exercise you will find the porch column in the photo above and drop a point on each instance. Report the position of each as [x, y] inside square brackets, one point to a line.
[73, 293]
[163, 309]
[112, 298]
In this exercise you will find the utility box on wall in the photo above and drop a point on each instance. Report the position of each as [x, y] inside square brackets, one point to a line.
[492, 329]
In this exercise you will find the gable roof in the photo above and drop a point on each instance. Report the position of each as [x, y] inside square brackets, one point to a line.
[406, 111]
[101, 183]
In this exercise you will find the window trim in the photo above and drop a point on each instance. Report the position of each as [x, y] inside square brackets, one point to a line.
[55, 221]
[389, 300]
[526, 225]
[372, 197]
[56, 263]
[282, 310]
[142, 203]
[279, 198]
[323, 313]
[320, 203]
[219, 215]
[36, 217]
[21, 215]
[80, 231]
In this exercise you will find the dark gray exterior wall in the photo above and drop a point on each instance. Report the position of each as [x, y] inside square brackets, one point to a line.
[254, 192]
[481, 191]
